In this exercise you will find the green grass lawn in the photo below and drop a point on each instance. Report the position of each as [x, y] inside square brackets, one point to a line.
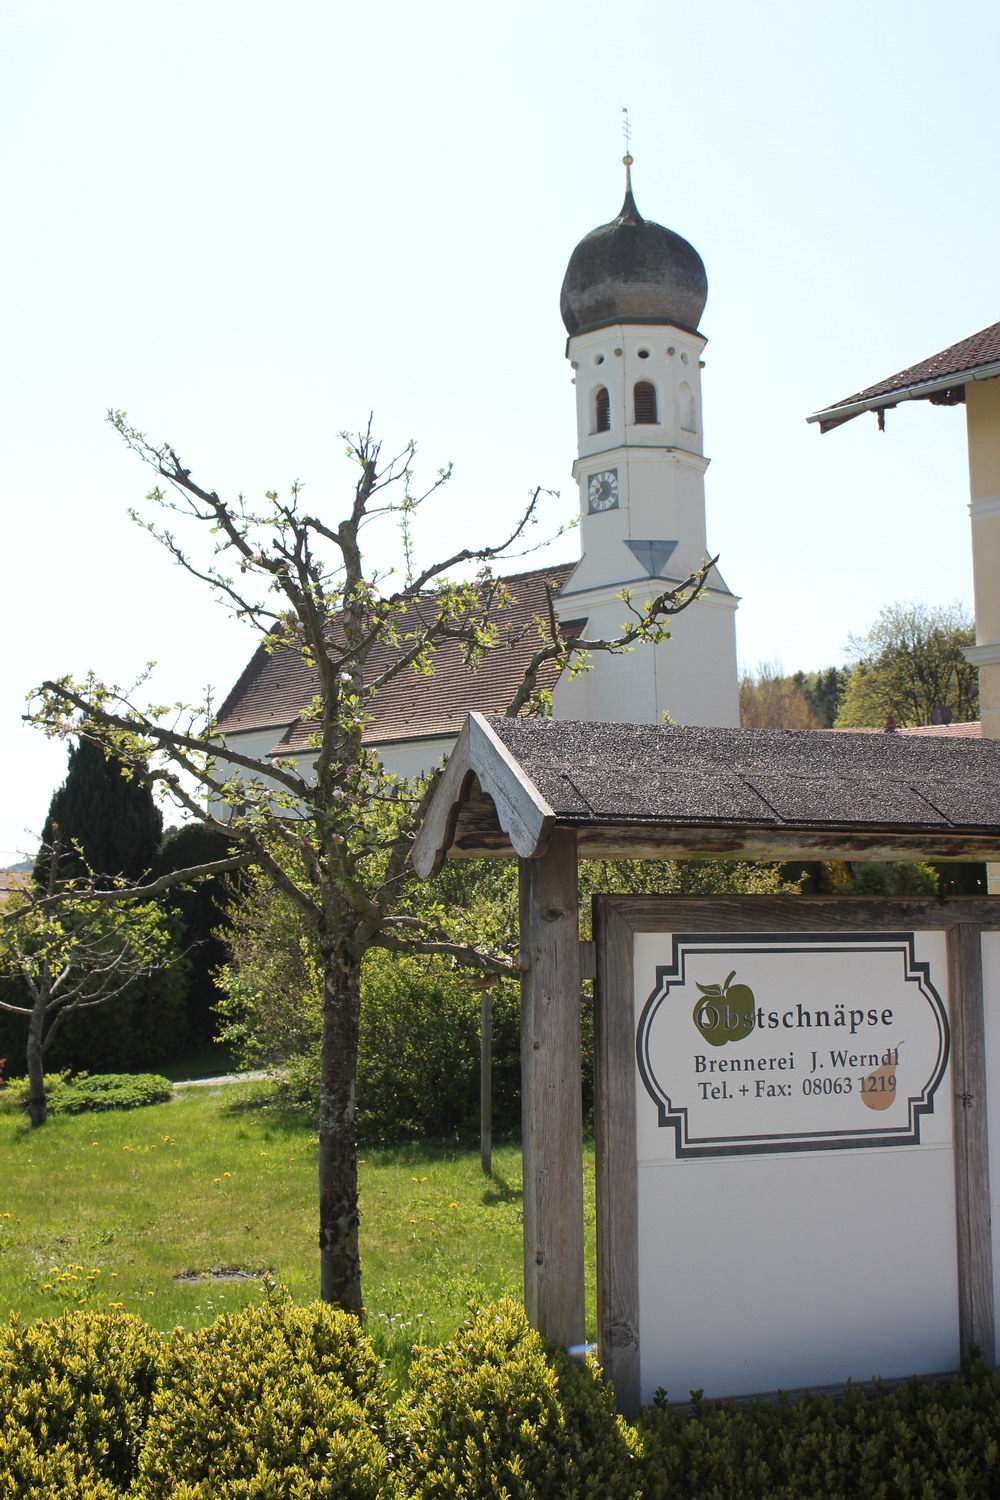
[119, 1208]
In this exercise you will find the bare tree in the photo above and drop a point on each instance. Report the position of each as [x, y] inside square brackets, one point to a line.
[335, 837]
[72, 953]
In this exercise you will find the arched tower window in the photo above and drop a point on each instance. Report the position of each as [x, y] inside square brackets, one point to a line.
[602, 410]
[688, 420]
[644, 397]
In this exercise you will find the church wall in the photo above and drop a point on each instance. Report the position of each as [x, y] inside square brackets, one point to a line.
[692, 677]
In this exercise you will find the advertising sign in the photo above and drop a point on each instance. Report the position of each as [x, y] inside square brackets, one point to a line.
[790, 1104]
[774, 1043]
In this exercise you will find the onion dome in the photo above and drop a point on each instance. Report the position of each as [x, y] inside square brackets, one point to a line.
[633, 271]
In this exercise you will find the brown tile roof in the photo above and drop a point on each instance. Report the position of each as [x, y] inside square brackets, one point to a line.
[970, 731]
[938, 374]
[276, 687]
[973, 730]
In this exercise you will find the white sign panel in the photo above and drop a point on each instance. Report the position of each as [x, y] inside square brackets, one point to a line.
[793, 1104]
[757, 1043]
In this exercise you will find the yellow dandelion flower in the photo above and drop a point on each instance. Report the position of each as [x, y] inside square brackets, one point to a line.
[116, 1304]
[413, 1221]
[452, 1205]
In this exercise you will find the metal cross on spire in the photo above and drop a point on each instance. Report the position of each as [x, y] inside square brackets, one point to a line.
[627, 133]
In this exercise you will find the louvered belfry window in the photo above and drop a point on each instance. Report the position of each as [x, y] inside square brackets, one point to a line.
[645, 402]
[603, 410]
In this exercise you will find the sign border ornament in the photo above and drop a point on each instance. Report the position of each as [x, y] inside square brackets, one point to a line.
[729, 947]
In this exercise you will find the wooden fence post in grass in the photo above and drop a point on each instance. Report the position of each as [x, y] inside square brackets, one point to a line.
[485, 1081]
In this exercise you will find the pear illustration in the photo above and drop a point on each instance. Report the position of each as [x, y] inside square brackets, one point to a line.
[879, 1086]
[725, 1012]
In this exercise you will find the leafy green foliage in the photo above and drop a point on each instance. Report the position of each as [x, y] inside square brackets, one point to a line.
[497, 1412]
[909, 663]
[106, 820]
[910, 1443]
[267, 1402]
[824, 692]
[77, 1396]
[72, 959]
[85, 1094]
[281, 1401]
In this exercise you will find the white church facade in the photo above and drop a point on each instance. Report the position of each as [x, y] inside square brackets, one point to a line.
[632, 300]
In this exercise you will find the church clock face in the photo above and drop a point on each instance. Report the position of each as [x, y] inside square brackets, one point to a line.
[602, 491]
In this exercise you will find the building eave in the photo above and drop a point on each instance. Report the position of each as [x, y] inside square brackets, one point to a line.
[921, 390]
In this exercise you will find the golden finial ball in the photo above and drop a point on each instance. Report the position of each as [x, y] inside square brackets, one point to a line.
[627, 161]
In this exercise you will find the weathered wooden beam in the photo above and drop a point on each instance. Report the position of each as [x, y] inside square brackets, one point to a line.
[478, 835]
[551, 1102]
[972, 1167]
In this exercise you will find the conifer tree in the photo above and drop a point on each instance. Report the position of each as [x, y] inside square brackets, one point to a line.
[109, 817]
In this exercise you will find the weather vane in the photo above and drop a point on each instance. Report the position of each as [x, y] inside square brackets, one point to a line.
[627, 132]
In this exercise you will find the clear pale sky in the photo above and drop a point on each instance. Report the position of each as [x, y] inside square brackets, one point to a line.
[250, 225]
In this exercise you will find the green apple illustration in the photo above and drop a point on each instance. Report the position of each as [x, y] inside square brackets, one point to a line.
[725, 1012]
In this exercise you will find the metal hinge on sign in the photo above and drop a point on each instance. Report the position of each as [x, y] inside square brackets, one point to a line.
[588, 959]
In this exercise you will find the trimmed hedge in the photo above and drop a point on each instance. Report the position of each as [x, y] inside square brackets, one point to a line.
[75, 1398]
[496, 1412]
[83, 1094]
[280, 1401]
[269, 1401]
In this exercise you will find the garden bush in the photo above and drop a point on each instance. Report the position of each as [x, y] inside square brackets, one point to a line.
[495, 1412]
[83, 1094]
[278, 1402]
[269, 1402]
[75, 1396]
[918, 1441]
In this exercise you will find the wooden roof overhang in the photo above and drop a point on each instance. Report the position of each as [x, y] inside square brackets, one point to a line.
[641, 791]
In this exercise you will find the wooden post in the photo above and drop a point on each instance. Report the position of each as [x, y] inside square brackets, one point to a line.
[485, 1082]
[972, 1170]
[551, 1104]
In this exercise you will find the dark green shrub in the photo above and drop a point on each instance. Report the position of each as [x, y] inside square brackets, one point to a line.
[269, 1402]
[76, 1396]
[110, 1091]
[83, 1094]
[202, 919]
[497, 1413]
[143, 1027]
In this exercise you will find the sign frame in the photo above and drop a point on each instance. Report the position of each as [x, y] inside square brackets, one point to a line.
[617, 919]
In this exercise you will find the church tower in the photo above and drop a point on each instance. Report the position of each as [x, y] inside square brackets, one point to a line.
[631, 301]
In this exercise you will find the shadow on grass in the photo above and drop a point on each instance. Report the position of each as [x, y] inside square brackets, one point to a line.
[501, 1191]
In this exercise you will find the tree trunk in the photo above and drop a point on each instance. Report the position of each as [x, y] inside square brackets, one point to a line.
[37, 1105]
[340, 1262]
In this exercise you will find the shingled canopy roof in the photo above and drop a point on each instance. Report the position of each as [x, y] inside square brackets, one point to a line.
[639, 791]
[940, 378]
[277, 686]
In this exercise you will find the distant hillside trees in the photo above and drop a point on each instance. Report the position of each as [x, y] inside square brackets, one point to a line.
[771, 700]
[824, 692]
[908, 664]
